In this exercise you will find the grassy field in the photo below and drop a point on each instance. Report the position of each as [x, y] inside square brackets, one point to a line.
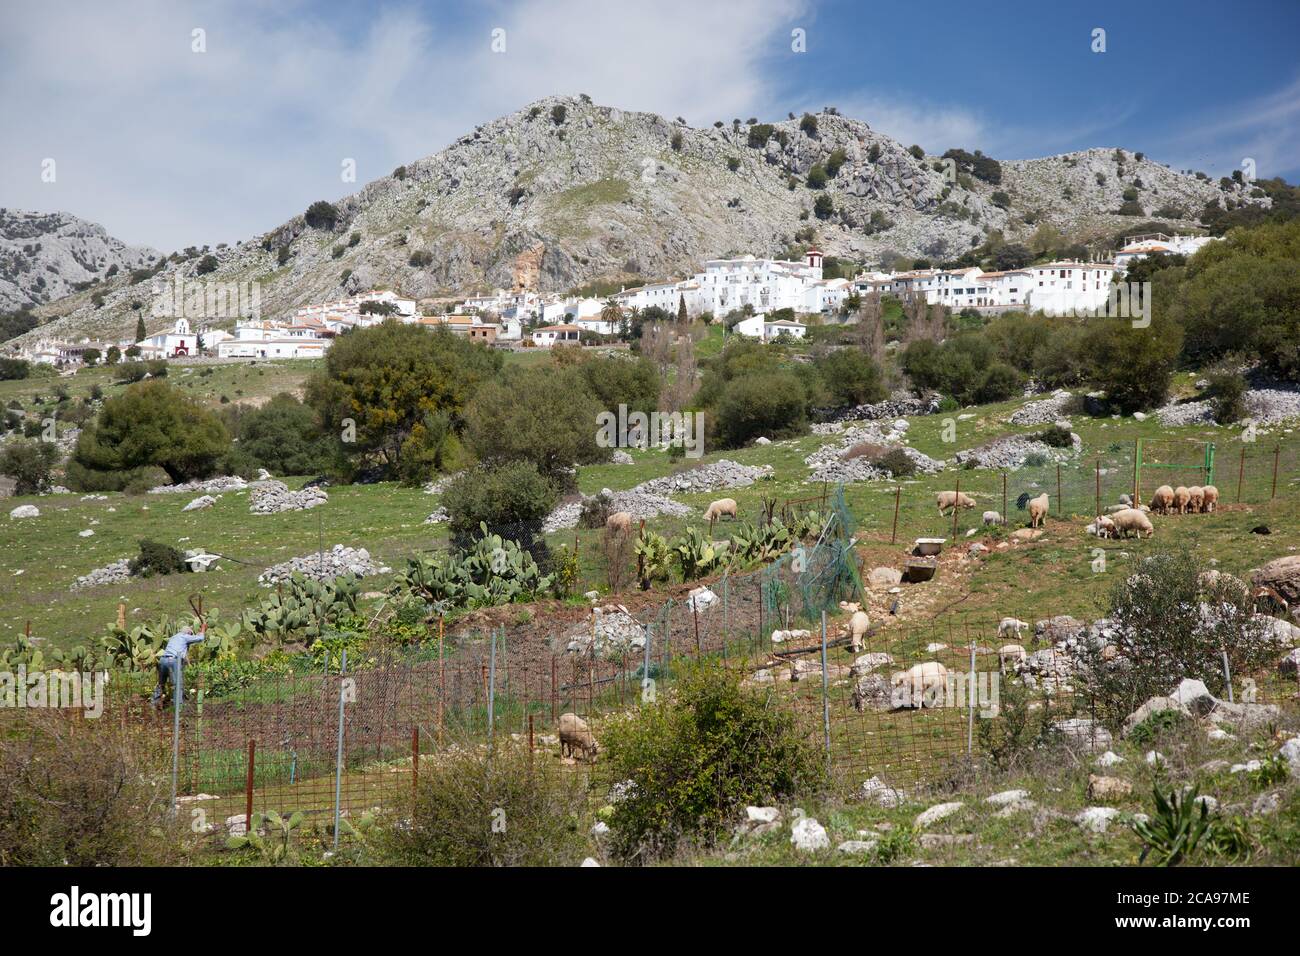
[40, 558]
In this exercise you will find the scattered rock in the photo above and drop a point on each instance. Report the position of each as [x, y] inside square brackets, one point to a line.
[1104, 788]
[25, 511]
[1096, 819]
[857, 846]
[808, 835]
[199, 503]
[936, 813]
[881, 794]
[1006, 797]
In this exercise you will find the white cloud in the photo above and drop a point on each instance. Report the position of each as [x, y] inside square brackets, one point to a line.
[169, 147]
[935, 128]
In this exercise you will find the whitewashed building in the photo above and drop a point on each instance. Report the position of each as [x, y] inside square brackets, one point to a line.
[1138, 247]
[549, 335]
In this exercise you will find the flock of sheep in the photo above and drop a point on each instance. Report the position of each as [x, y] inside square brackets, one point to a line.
[1121, 520]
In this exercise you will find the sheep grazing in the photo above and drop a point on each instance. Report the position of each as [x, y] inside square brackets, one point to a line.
[620, 522]
[1162, 501]
[1182, 495]
[1012, 654]
[954, 500]
[723, 506]
[922, 685]
[1103, 526]
[1195, 499]
[1130, 519]
[576, 737]
[857, 624]
[1209, 498]
[992, 517]
[1037, 510]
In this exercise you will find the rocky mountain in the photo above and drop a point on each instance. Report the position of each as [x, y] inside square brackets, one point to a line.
[46, 256]
[565, 192]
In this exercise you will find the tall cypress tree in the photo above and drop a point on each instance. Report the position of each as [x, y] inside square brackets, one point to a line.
[681, 309]
[140, 333]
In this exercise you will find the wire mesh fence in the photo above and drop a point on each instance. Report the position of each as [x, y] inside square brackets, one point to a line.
[903, 705]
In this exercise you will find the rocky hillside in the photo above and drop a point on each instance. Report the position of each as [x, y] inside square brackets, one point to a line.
[565, 192]
[46, 256]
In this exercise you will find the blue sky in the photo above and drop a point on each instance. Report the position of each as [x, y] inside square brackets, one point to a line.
[170, 147]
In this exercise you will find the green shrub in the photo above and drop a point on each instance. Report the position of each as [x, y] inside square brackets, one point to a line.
[501, 497]
[773, 404]
[1162, 723]
[896, 462]
[502, 807]
[149, 424]
[155, 558]
[851, 377]
[1057, 436]
[1161, 636]
[695, 757]
[85, 793]
[30, 464]
[1227, 392]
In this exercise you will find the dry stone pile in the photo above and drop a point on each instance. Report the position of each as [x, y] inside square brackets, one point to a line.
[220, 483]
[114, 573]
[1011, 452]
[272, 497]
[639, 504]
[325, 566]
[1043, 412]
[610, 632]
[722, 473]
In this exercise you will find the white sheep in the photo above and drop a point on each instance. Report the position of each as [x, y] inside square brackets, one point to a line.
[1182, 495]
[1011, 654]
[922, 685]
[857, 624]
[1132, 520]
[992, 517]
[1209, 498]
[1195, 499]
[1103, 527]
[619, 521]
[1011, 627]
[1037, 510]
[1162, 501]
[954, 500]
[723, 506]
[576, 737]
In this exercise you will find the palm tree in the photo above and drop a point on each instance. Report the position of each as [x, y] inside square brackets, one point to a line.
[613, 314]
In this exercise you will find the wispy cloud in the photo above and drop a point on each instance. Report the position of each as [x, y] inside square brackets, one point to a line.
[1265, 129]
[170, 147]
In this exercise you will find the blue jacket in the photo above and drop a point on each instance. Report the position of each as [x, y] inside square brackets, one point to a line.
[179, 645]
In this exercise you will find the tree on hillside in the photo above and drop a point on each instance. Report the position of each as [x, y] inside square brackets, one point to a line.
[281, 437]
[871, 326]
[851, 378]
[140, 333]
[543, 415]
[386, 379]
[29, 463]
[1133, 365]
[149, 424]
[1243, 295]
